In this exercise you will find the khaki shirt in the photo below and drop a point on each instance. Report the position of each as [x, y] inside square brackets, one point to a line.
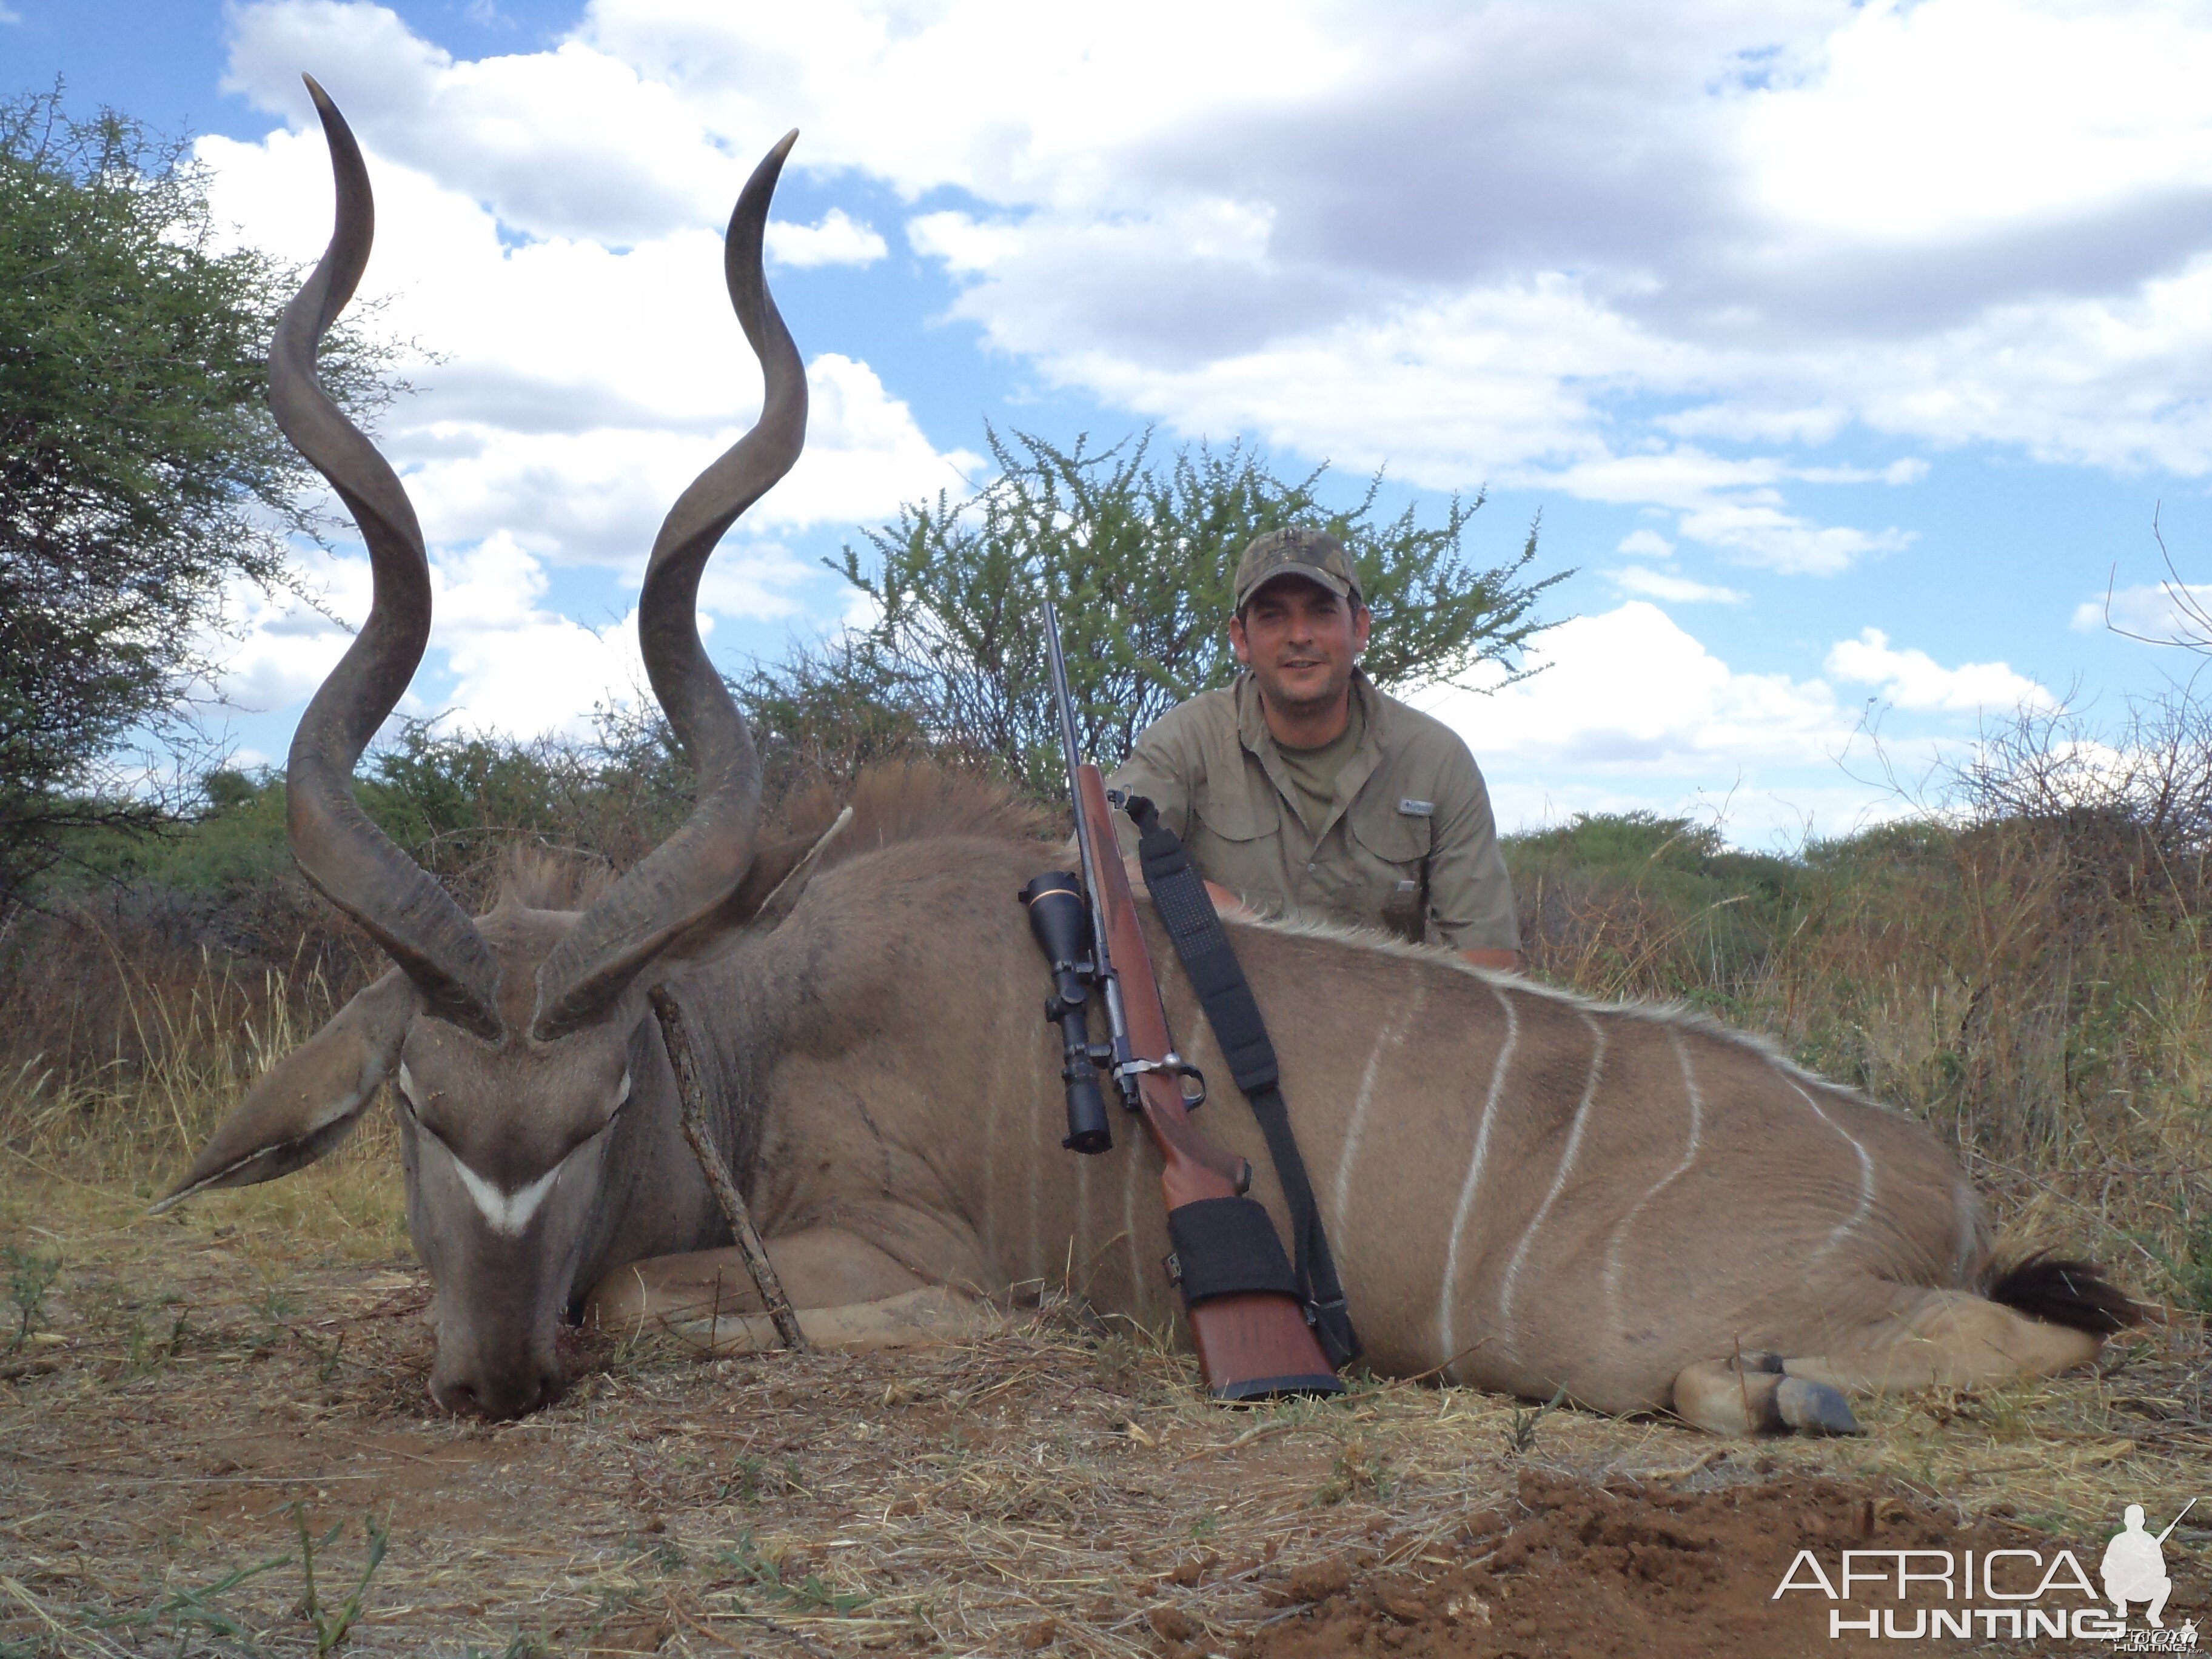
[1409, 846]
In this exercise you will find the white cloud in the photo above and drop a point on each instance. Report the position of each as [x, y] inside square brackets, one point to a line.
[1675, 590]
[570, 142]
[1632, 710]
[598, 495]
[1914, 680]
[2166, 613]
[1645, 544]
[580, 388]
[1732, 505]
[276, 649]
[1509, 243]
[517, 667]
[1629, 690]
[2066, 103]
[838, 239]
[499, 659]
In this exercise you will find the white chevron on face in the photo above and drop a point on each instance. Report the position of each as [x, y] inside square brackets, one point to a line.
[507, 1213]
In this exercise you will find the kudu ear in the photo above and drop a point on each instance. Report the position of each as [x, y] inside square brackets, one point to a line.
[309, 1101]
[780, 893]
[769, 892]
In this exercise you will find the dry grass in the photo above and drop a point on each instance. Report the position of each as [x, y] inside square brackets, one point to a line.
[197, 1378]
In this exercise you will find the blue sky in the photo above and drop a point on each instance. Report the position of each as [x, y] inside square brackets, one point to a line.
[1845, 351]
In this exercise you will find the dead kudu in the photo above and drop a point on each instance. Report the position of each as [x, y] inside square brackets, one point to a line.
[1526, 1192]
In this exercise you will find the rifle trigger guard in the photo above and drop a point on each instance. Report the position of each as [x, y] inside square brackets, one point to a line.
[1174, 1065]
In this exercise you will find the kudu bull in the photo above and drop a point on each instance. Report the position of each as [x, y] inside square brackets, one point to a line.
[1525, 1191]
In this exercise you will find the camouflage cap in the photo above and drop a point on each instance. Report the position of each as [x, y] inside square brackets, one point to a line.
[1297, 551]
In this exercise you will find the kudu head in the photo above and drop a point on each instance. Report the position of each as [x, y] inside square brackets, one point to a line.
[520, 1041]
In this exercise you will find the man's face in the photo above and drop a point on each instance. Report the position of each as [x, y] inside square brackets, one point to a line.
[1300, 640]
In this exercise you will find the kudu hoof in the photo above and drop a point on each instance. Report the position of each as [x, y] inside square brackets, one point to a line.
[1812, 1407]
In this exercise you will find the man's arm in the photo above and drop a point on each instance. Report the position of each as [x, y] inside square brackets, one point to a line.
[1164, 766]
[1470, 895]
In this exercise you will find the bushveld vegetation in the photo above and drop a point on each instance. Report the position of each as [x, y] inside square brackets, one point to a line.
[2023, 968]
[142, 476]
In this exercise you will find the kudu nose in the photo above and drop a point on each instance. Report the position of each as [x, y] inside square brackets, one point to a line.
[497, 1398]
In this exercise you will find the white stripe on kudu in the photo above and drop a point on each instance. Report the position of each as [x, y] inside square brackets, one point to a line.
[1842, 1228]
[1689, 1155]
[1559, 1183]
[1391, 1036]
[1473, 1178]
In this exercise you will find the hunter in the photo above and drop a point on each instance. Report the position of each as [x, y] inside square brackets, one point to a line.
[1304, 792]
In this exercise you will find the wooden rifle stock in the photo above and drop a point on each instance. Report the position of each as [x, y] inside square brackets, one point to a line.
[1250, 1345]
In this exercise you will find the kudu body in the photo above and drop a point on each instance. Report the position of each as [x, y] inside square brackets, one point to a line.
[1525, 1191]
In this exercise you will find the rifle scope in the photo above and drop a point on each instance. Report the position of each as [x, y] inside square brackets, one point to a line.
[1061, 922]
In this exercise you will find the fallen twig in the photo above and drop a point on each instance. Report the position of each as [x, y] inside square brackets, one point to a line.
[692, 1093]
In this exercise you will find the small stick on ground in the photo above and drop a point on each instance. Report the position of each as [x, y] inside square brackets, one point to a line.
[693, 1097]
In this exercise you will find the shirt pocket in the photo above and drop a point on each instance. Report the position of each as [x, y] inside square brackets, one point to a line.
[1237, 841]
[1390, 858]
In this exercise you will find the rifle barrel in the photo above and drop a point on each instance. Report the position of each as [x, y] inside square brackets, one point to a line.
[1102, 954]
[2176, 1522]
[1064, 707]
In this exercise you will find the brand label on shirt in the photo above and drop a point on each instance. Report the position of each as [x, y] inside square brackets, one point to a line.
[1417, 809]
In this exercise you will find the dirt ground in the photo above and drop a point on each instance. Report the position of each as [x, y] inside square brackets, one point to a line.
[214, 1439]
[1589, 1570]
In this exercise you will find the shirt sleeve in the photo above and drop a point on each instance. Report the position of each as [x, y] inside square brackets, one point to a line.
[1164, 767]
[1470, 895]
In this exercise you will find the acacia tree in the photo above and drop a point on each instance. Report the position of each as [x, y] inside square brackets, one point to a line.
[1138, 557]
[139, 469]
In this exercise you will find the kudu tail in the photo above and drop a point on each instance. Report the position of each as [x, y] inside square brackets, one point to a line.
[2061, 1290]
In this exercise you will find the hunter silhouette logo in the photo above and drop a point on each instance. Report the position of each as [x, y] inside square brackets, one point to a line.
[2134, 1568]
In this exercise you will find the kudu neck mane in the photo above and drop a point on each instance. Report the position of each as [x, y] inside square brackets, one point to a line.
[910, 801]
[892, 802]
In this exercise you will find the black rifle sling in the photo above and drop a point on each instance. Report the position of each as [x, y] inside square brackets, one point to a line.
[1179, 894]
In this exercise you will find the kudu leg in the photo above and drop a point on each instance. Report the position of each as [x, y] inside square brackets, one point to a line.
[1947, 1338]
[848, 1294]
[1940, 1339]
[926, 1318]
[1755, 1395]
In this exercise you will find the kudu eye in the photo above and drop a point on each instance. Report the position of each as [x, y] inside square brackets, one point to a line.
[413, 1107]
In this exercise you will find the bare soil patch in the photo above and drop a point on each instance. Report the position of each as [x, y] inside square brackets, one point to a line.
[1587, 1569]
[188, 1396]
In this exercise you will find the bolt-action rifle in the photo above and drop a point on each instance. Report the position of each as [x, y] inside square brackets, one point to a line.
[1246, 1319]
